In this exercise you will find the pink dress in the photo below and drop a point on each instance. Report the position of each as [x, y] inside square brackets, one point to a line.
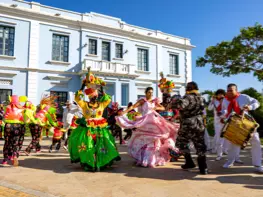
[152, 138]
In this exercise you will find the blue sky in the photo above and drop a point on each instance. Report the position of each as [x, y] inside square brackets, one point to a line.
[205, 22]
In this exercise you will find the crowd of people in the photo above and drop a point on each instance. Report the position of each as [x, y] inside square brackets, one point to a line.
[157, 131]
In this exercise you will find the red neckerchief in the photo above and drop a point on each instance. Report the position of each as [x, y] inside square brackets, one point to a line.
[233, 105]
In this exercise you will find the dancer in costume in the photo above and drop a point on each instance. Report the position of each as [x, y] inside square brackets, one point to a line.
[46, 116]
[91, 143]
[73, 126]
[239, 103]
[166, 87]
[220, 143]
[69, 118]
[115, 129]
[192, 127]
[57, 136]
[153, 137]
[14, 126]
[129, 131]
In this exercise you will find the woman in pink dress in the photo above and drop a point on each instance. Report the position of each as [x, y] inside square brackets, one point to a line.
[153, 137]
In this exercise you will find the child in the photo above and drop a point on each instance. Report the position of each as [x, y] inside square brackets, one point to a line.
[58, 133]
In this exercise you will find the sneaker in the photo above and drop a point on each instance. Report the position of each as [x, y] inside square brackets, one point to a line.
[4, 162]
[50, 151]
[239, 161]
[65, 147]
[218, 158]
[123, 142]
[227, 165]
[259, 169]
[26, 153]
[38, 151]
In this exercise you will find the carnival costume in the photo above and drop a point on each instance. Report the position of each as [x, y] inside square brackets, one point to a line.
[166, 86]
[14, 128]
[46, 116]
[57, 136]
[112, 113]
[153, 137]
[91, 143]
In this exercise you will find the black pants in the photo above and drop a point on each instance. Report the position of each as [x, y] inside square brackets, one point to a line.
[128, 133]
[56, 142]
[36, 134]
[69, 132]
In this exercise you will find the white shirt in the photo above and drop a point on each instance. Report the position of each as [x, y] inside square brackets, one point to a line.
[242, 100]
[68, 114]
[213, 106]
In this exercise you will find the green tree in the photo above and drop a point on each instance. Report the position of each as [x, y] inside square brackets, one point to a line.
[243, 54]
[210, 114]
[258, 113]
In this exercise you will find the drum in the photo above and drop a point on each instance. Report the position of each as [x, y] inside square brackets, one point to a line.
[238, 129]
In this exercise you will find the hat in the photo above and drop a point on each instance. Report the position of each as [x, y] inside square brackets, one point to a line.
[92, 81]
[68, 102]
[165, 85]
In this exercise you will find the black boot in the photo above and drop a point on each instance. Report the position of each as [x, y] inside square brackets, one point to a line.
[202, 164]
[188, 162]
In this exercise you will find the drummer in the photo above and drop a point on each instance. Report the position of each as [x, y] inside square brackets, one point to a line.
[236, 102]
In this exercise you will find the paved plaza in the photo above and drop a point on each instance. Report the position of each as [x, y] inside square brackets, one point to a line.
[52, 174]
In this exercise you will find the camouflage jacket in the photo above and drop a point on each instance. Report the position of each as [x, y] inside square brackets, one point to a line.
[190, 105]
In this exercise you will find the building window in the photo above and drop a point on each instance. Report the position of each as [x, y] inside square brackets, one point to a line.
[143, 59]
[140, 96]
[173, 62]
[60, 47]
[92, 46]
[62, 98]
[7, 39]
[4, 94]
[106, 51]
[119, 51]
[124, 94]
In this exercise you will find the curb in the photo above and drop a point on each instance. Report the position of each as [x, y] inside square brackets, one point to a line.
[25, 190]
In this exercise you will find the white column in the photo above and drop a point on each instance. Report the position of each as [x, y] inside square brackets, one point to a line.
[159, 65]
[33, 62]
[188, 65]
[118, 92]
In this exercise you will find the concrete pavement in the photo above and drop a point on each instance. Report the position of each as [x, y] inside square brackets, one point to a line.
[50, 174]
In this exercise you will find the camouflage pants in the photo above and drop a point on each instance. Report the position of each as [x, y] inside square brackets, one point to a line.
[192, 129]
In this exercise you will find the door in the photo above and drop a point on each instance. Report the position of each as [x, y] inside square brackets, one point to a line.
[4, 93]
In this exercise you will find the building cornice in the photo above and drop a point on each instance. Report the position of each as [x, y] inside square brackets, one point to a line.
[68, 21]
[37, 70]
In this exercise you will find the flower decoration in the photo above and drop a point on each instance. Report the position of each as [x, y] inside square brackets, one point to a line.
[165, 85]
[82, 147]
[133, 115]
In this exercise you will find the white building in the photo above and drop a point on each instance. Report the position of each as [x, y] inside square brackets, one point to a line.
[46, 49]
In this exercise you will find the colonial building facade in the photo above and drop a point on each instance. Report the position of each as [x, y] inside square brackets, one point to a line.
[45, 49]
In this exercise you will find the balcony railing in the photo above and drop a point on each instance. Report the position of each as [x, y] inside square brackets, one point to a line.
[112, 68]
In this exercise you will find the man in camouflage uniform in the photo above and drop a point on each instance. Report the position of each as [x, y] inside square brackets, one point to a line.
[192, 127]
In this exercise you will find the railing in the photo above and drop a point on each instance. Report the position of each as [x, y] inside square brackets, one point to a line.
[109, 67]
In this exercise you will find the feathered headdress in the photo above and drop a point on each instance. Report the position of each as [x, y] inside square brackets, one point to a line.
[92, 83]
[48, 103]
[165, 85]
